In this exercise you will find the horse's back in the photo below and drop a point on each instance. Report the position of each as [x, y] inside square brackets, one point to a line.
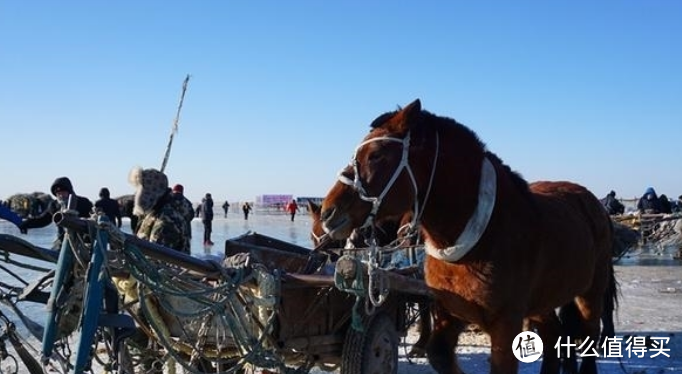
[572, 201]
[575, 220]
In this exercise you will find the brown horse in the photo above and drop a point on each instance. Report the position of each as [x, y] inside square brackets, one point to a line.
[498, 249]
[387, 232]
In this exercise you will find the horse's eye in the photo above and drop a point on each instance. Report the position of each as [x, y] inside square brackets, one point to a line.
[374, 157]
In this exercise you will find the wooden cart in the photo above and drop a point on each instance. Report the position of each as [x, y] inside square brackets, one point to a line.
[314, 316]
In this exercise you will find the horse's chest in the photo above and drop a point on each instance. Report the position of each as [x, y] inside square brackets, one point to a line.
[471, 283]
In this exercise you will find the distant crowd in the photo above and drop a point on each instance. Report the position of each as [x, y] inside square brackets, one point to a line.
[648, 203]
[157, 212]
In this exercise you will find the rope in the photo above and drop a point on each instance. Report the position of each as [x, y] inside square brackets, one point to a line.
[156, 320]
[224, 310]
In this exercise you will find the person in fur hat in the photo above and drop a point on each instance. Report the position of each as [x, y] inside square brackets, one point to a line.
[160, 220]
[61, 189]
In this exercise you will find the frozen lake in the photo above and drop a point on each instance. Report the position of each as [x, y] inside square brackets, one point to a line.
[275, 224]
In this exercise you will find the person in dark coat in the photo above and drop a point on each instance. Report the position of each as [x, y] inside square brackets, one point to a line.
[246, 208]
[612, 205]
[126, 205]
[186, 209]
[207, 218]
[62, 189]
[666, 207]
[649, 202]
[677, 205]
[226, 207]
[109, 207]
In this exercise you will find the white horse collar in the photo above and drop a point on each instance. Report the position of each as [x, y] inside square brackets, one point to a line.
[477, 223]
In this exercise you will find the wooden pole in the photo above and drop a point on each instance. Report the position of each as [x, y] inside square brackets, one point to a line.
[174, 129]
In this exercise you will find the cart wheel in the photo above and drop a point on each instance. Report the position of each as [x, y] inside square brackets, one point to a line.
[9, 365]
[373, 351]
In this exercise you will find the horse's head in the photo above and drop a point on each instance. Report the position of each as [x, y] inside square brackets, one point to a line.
[385, 233]
[321, 240]
[411, 162]
[381, 182]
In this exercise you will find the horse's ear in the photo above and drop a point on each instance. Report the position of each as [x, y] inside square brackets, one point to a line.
[413, 108]
[313, 208]
[411, 114]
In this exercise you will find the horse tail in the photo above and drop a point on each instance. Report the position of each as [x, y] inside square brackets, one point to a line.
[570, 320]
[610, 304]
[610, 296]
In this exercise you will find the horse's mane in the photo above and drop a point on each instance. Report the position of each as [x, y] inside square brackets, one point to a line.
[382, 119]
[464, 132]
[520, 183]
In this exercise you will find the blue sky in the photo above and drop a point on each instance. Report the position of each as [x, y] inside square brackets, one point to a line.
[282, 91]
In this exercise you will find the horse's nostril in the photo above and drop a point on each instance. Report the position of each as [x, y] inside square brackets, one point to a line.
[326, 214]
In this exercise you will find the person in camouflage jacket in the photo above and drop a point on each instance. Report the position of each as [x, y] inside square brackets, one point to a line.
[160, 220]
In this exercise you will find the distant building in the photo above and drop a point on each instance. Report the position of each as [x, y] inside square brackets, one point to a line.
[277, 202]
[272, 202]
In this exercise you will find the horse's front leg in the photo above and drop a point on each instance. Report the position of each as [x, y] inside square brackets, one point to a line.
[502, 331]
[419, 347]
[441, 346]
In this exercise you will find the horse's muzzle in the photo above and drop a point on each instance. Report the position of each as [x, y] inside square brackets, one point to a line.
[336, 225]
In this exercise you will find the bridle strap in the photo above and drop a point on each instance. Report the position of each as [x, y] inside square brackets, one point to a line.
[356, 183]
[319, 239]
[376, 201]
